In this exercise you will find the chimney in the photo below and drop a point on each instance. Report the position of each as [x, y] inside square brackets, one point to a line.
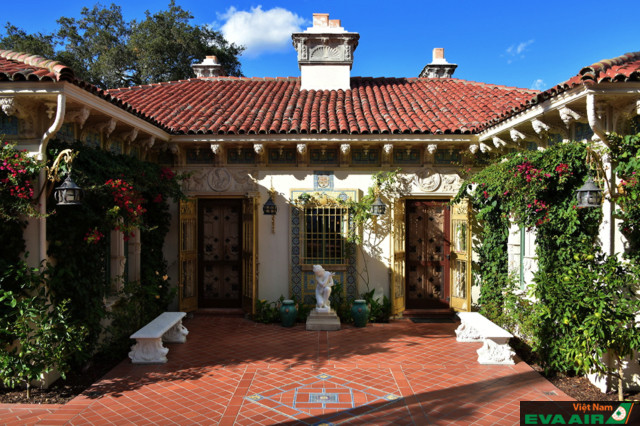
[210, 67]
[325, 54]
[439, 67]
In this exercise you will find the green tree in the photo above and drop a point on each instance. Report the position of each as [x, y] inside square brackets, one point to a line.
[108, 51]
[18, 40]
[165, 45]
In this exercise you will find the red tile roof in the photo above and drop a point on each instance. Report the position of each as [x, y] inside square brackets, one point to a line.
[226, 105]
[16, 66]
[620, 69]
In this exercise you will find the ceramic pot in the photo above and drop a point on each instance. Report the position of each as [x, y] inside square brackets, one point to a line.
[360, 313]
[288, 313]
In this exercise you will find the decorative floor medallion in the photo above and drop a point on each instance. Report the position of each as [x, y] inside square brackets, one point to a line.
[338, 399]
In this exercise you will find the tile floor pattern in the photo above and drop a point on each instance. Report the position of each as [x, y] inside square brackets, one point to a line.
[232, 371]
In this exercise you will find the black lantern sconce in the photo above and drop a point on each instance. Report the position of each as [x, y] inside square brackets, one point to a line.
[270, 209]
[378, 208]
[589, 195]
[68, 193]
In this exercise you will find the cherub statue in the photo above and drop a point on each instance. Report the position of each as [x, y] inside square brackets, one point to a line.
[324, 281]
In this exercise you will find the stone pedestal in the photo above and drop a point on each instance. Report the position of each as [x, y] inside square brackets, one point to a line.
[323, 320]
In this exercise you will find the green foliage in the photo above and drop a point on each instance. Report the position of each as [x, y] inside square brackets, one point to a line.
[81, 250]
[36, 336]
[104, 49]
[18, 170]
[626, 151]
[379, 311]
[268, 312]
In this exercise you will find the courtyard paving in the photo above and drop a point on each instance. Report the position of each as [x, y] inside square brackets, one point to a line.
[232, 371]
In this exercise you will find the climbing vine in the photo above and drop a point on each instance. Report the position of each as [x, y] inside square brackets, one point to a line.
[121, 193]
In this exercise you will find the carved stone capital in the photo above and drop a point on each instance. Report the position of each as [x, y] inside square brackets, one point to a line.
[345, 148]
[107, 127]
[484, 148]
[432, 148]
[78, 116]
[567, 116]
[516, 135]
[258, 148]
[301, 148]
[148, 143]
[8, 105]
[539, 127]
[216, 148]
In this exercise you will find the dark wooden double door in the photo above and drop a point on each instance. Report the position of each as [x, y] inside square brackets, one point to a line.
[427, 254]
[220, 253]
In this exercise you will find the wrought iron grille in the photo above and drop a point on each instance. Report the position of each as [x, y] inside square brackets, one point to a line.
[324, 235]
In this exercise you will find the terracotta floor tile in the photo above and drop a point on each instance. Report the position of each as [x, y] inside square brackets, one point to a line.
[233, 371]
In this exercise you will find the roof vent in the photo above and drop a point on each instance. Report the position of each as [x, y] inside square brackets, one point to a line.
[210, 67]
[325, 54]
[439, 67]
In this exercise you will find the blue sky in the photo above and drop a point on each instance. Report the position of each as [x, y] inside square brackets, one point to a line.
[524, 44]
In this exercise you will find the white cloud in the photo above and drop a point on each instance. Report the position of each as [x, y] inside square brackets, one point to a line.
[538, 84]
[516, 51]
[260, 31]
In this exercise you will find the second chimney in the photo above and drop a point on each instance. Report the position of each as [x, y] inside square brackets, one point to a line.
[439, 67]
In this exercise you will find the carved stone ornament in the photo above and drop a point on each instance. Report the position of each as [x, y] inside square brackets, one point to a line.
[258, 148]
[539, 127]
[516, 135]
[432, 148]
[148, 142]
[131, 136]
[451, 182]
[301, 148]
[473, 148]
[176, 334]
[567, 116]
[484, 148]
[8, 105]
[78, 116]
[345, 148]
[498, 143]
[148, 351]
[216, 148]
[219, 180]
[428, 180]
[174, 149]
[496, 351]
[466, 333]
[388, 150]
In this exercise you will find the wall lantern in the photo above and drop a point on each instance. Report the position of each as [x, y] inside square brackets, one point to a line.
[589, 195]
[68, 193]
[378, 208]
[270, 209]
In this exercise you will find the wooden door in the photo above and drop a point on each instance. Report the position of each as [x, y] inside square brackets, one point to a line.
[460, 257]
[398, 261]
[188, 256]
[220, 253]
[427, 255]
[249, 262]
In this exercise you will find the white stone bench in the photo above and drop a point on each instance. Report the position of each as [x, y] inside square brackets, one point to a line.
[167, 327]
[474, 327]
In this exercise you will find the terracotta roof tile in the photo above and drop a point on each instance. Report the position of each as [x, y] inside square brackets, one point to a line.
[620, 69]
[225, 105]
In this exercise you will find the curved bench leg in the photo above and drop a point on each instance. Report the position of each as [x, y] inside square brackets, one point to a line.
[148, 351]
[176, 334]
[496, 351]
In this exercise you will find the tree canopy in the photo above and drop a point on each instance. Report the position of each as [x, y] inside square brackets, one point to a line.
[104, 49]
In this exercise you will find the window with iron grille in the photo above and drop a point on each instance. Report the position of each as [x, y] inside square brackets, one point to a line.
[324, 235]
